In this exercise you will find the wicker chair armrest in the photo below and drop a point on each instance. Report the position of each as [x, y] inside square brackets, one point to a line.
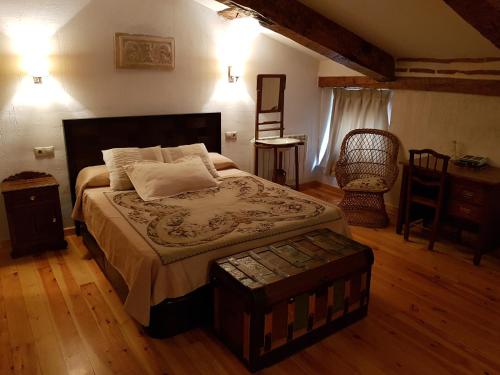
[341, 173]
[392, 175]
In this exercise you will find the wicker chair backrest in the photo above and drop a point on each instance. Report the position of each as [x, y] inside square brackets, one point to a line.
[368, 153]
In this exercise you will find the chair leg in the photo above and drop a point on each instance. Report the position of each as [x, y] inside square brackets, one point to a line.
[477, 257]
[430, 246]
[435, 228]
[480, 250]
[407, 221]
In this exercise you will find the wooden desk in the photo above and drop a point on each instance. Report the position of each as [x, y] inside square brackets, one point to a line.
[472, 202]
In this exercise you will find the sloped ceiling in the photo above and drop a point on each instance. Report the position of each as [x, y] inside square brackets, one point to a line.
[408, 28]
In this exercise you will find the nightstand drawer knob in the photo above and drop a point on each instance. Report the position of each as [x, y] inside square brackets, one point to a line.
[33, 197]
[54, 220]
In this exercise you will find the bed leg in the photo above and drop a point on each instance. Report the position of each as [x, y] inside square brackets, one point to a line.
[78, 228]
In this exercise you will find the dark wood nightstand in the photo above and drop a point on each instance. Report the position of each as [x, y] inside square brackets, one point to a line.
[34, 213]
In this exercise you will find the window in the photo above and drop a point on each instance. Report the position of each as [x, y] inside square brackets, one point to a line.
[343, 110]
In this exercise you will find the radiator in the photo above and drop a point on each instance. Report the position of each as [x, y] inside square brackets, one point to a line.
[266, 161]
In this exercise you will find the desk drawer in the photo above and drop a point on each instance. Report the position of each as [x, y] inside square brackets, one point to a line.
[468, 193]
[466, 211]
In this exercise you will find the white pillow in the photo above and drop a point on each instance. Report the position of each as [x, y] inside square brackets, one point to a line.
[151, 153]
[171, 154]
[221, 162]
[160, 180]
[116, 158]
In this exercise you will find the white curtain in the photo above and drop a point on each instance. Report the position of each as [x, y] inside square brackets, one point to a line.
[343, 110]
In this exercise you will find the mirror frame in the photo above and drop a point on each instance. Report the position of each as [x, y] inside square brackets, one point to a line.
[281, 103]
[281, 99]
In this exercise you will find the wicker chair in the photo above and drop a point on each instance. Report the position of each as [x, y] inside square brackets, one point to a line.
[366, 169]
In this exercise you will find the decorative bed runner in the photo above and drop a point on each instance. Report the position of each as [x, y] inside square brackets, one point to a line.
[240, 209]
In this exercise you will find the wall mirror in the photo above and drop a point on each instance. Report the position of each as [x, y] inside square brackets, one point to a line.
[271, 92]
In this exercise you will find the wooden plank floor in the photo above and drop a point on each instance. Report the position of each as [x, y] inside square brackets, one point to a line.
[430, 313]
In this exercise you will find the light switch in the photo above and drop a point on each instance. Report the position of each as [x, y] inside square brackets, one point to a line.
[44, 152]
[231, 136]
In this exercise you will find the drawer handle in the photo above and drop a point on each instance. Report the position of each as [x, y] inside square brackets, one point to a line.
[33, 197]
[465, 210]
[54, 220]
[467, 194]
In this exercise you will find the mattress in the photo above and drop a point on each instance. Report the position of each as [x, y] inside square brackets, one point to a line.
[152, 276]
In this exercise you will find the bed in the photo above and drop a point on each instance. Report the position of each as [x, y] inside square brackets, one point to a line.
[163, 278]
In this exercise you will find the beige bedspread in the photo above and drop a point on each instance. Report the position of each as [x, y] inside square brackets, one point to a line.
[154, 273]
[240, 209]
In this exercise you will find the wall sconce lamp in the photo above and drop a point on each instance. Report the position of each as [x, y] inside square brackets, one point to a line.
[232, 75]
[37, 66]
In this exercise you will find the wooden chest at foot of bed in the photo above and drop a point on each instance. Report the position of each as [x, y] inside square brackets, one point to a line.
[274, 300]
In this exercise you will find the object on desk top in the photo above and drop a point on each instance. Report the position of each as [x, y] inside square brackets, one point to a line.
[471, 161]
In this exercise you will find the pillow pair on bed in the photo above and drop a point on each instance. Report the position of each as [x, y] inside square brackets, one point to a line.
[117, 158]
[187, 168]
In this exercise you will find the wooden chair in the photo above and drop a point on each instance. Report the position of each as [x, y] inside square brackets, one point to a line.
[367, 169]
[426, 186]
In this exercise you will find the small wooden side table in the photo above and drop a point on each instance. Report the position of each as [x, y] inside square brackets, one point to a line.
[33, 212]
[279, 175]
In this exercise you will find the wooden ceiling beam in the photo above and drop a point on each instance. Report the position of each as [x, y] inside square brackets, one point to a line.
[483, 15]
[318, 33]
[438, 84]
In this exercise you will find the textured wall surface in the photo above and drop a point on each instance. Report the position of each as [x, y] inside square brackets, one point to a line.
[84, 82]
[434, 120]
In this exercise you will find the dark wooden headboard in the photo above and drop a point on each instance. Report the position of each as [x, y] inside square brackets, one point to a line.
[85, 138]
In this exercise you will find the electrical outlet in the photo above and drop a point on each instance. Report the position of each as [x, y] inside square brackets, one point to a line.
[44, 152]
[231, 136]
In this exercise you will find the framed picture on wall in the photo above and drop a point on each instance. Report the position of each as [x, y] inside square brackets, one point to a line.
[144, 52]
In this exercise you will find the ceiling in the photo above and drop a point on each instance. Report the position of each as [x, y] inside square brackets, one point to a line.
[404, 28]
[408, 28]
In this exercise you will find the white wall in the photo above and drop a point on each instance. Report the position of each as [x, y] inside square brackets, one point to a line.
[434, 120]
[430, 119]
[329, 68]
[84, 82]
